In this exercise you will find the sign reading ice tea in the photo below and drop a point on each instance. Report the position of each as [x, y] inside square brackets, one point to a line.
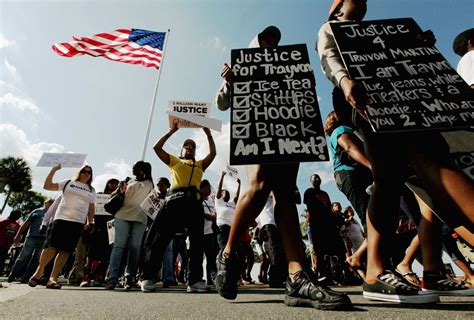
[410, 86]
[275, 116]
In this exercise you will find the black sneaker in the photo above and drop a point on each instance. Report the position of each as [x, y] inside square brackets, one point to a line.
[391, 288]
[227, 276]
[446, 287]
[307, 293]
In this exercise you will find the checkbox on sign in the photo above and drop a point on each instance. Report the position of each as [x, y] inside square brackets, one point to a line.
[241, 115]
[242, 87]
[241, 102]
[241, 131]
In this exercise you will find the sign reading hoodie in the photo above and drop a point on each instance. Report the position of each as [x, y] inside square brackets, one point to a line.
[275, 113]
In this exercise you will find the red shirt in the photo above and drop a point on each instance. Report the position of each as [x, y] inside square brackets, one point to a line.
[8, 230]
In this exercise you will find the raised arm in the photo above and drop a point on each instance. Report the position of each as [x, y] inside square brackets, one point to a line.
[346, 141]
[206, 162]
[158, 147]
[237, 194]
[219, 186]
[48, 182]
[223, 94]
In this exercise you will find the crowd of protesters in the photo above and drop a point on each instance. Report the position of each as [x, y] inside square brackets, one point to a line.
[377, 249]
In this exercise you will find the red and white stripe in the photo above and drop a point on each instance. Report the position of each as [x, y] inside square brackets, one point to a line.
[113, 46]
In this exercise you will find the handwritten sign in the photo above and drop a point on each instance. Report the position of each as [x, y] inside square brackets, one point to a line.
[152, 204]
[275, 116]
[71, 160]
[409, 86]
[101, 200]
[200, 122]
[190, 108]
[232, 172]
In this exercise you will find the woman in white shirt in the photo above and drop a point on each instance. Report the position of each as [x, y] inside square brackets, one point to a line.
[77, 207]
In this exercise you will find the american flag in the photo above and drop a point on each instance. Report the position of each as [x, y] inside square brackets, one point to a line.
[133, 46]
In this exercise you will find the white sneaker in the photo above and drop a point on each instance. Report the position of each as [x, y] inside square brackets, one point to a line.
[199, 286]
[147, 285]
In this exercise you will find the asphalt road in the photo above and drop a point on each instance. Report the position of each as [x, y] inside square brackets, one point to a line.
[18, 301]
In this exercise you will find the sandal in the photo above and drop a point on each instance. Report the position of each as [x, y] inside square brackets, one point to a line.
[359, 270]
[410, 277]
[53, 285]
[33, 282]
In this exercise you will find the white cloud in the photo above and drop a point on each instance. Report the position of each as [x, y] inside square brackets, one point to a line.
[22, 104]
[9, 67]
[214, 42]
[13, 142]
[117, 169]
[4, 42]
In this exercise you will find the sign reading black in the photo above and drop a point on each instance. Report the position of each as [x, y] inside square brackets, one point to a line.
[409, 86]
[275, 114]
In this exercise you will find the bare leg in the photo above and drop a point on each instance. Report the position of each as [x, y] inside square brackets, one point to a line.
[249, 205]
[430, 238]
[46, 256]
[59, 263]
[469, 276]
[405, 265]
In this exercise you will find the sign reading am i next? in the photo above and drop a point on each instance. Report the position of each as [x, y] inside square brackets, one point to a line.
[409, 86]
[275, 113]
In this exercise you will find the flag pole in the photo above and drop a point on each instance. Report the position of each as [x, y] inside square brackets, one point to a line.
[152, 108]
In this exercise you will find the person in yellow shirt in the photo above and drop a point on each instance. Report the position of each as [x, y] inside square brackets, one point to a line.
[183, 209]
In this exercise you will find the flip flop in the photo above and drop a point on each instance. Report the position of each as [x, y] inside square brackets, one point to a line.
[359, 271]
[33, 282]
[53, 285]
[410, 277]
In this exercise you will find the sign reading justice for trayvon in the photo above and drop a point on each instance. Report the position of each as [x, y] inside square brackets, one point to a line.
[275, 116]
[409, 86]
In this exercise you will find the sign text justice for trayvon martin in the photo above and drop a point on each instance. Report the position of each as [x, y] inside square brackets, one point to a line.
[275, 113]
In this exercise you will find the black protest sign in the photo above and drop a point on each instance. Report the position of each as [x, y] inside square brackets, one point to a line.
[409, 86]
[275, 114]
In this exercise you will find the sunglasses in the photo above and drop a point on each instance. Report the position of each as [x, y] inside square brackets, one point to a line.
[86, 171]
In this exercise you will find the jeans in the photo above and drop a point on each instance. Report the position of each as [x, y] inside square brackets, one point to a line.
[168, 263]
[223, 236]
[28, 260]
[127, 234]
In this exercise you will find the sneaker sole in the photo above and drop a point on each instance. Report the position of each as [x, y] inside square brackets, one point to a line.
[222, 291]
[412, 299]
[300, 302]
[465, 292]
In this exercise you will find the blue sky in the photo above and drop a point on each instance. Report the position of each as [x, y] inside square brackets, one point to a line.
[92, 105]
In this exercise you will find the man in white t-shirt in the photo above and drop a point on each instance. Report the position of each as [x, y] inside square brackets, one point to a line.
[225, 211]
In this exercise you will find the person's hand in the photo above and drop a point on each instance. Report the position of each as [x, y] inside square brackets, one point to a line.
[226, 73]
[42, 229]
[207, 131]
[223, 173]
[56, 167]
[238, 180]
[89, 227]
[426, 38]
[354, 94]
[174, 126]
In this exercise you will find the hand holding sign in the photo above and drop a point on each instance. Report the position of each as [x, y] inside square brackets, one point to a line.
[226, 73]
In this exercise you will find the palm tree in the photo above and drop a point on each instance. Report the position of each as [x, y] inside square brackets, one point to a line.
[15, 176]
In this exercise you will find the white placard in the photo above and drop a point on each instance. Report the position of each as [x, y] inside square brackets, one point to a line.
[232, 172]
[111, 231]
[71, 160]
[195, 108]
[152, 204]
[210, 123]
[101, 200]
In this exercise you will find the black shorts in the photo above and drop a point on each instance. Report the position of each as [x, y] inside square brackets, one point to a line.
[64, 235]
